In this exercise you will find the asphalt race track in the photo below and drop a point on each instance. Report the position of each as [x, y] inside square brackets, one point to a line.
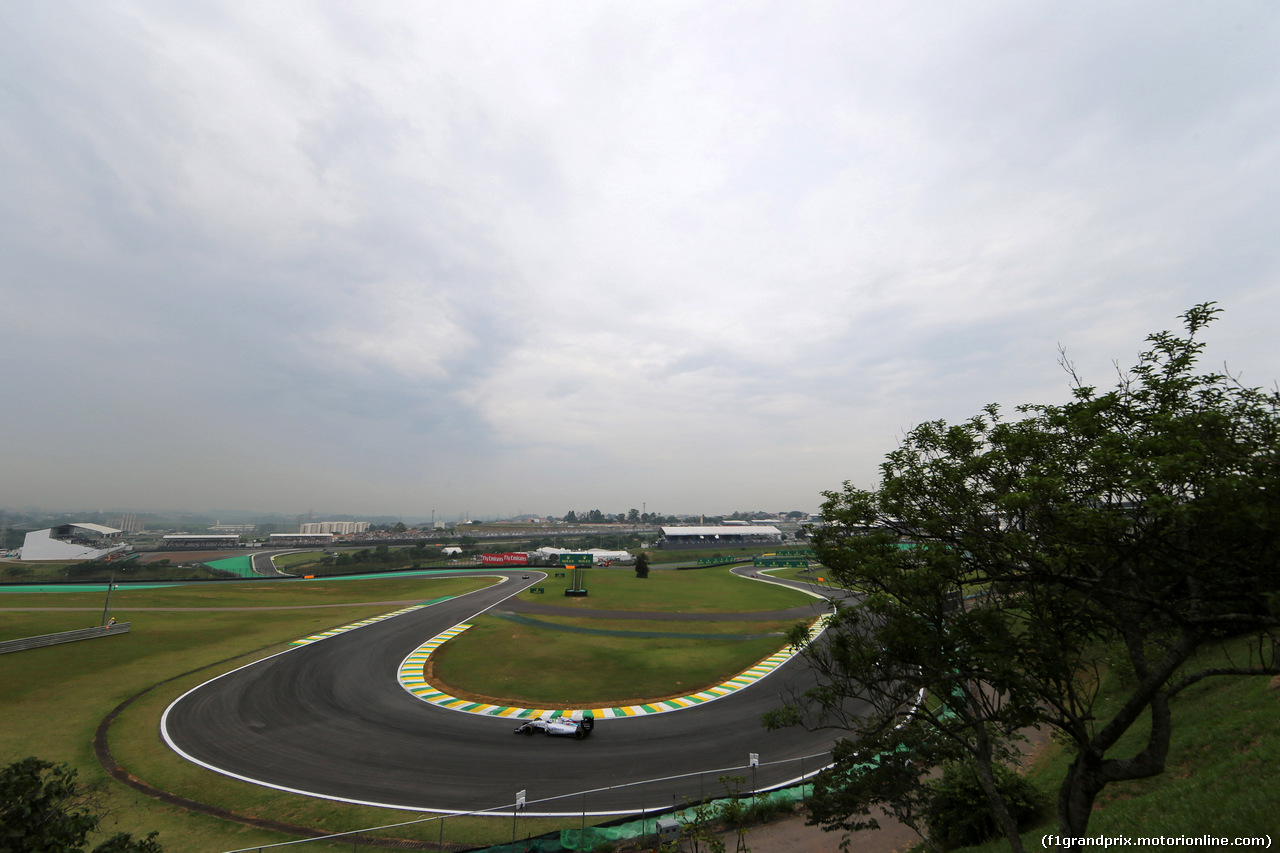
[330, 720]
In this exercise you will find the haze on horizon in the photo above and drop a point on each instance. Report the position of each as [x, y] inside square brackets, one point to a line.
[510, 257]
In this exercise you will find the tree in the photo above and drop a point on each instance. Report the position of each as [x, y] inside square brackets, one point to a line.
[571, 517]
[1141, 524]
[642, 565]
[891, 773]
[42, 807]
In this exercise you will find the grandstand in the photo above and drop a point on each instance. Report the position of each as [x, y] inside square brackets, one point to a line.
[199, 542]
[298, 540]
[678, 538]
[74, 541]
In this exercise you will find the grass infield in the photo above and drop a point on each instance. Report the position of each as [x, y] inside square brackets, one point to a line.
[505, 662]
[709, 590]
[544, 667]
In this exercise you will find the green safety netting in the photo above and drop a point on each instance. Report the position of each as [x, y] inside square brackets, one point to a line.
[593, 837]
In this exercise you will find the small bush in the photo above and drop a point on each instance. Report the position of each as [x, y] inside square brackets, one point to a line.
[766, 808]
[958, 814]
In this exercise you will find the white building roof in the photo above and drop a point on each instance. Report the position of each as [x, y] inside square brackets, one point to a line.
[96, 528]
[40, 545]
[733, 530]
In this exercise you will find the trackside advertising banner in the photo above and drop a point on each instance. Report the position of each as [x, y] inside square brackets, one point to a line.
[504, 559]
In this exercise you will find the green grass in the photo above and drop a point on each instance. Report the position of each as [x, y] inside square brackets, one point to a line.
[83, 572]
[282, 561]
[543, 666]
[531, 665]
[35, 571]
[702, 591]
[669, 626]
[232, 594]
[53, 566]
[1220, 777]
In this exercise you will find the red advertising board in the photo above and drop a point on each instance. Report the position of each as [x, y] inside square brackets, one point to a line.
[512, 559]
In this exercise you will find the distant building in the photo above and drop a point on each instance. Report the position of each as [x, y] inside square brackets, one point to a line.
[676, 538]
[73, 542]
[341, 528]
[233, 528]
[598, 555]
[129, 523]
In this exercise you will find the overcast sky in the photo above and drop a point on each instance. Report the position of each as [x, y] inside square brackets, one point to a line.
[488, 258]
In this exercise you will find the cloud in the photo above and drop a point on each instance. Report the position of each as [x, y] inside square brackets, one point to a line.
[407, 258]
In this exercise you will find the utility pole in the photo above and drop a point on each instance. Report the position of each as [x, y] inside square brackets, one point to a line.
[111, 583]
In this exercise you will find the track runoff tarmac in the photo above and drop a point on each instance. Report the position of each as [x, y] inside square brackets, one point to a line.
[331, 719]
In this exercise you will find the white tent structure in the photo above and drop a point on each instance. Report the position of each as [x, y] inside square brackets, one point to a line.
[81, 541]
[599, 555]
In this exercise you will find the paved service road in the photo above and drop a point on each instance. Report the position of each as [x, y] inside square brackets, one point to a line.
[264, 566]
[330, 719]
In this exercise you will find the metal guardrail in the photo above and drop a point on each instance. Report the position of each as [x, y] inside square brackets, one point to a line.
[62, 637]
[703, 786]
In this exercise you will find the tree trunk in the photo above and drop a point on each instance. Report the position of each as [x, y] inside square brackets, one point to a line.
[1089, 773]
[1075, 798]
[988, 782]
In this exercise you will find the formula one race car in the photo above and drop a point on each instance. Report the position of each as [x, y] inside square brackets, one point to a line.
[562, 726]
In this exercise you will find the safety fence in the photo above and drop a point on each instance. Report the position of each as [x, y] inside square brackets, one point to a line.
[684, 801]
[62, 637]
